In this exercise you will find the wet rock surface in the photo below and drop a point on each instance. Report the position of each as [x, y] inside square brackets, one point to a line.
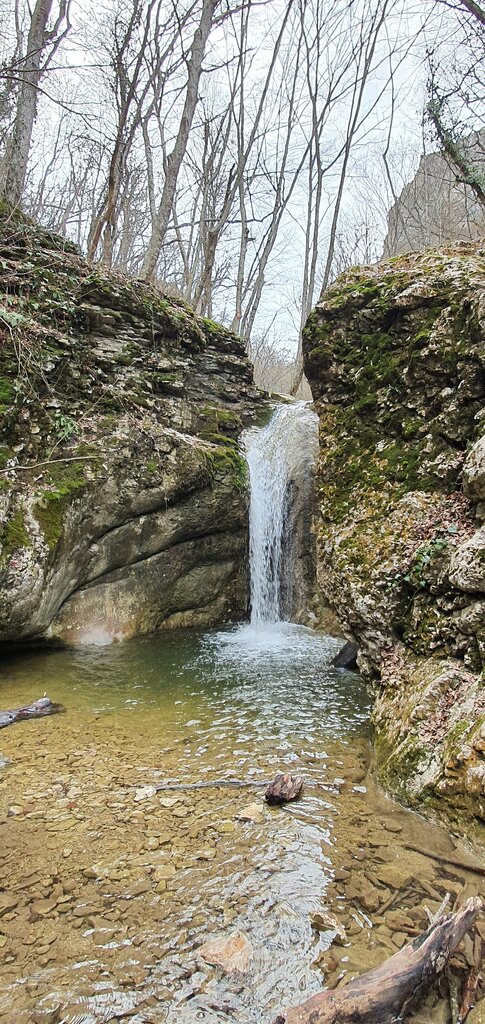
[394, 354]
[123, 501]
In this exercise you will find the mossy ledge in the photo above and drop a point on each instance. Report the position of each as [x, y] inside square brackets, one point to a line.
[120, 413]
[394, 354]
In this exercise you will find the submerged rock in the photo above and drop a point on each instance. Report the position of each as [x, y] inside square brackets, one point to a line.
[232, 954]
[123, 499]
[394, 354]
[252, 812]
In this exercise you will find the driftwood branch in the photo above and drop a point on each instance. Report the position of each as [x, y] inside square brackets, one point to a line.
[39, 708]
[464, 864]
[386, 993]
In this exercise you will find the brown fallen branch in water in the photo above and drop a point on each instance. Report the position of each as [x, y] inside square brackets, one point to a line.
[39, 708]
[284, 788]
[464, 865]
[385, 994]
[280, 790]
[238, 783]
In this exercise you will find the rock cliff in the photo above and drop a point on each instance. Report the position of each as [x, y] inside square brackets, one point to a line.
[123, 499]
[395, 357]
[435, 208]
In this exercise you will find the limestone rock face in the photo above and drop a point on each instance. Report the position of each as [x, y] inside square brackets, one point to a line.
[123, 498]
[474, 472]
[467, 564]
[395, 356]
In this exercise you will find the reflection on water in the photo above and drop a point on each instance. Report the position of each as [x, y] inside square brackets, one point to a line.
[119, 864]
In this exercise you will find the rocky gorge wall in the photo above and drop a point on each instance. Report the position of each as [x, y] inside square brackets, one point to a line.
[395, 355]
[123, 498]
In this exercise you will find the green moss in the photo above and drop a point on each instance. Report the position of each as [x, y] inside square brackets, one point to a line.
[456, 736]
[397, 766]
[15, 535]
[152, 466]
[212, 327]
[229, 462]
[6, 391]
[215, 423]
[50, 510]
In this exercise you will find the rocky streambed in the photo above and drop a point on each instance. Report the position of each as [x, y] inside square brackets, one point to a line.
[117, 865]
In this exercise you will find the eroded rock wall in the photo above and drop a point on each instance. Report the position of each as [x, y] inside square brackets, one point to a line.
[123, 498]
[395, 357]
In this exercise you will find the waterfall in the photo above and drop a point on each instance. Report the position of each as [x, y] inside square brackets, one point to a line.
[281, 457]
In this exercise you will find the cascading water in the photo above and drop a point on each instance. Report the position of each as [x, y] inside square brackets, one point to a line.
[280, 457]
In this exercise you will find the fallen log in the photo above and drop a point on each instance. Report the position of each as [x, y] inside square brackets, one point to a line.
[284, 788]
[386, 994]
[39, 708]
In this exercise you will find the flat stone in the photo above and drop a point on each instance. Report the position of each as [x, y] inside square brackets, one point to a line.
[164, 872]
[144, 793]
[208, 854]
[232, 953]
[85, 911]
[341, 874]
[43, 907]
[168, 801]
[131, 976]
[7, 902]
[392, 826]
[100, 936]
[138, 888]
[225, 826]
[252, 812]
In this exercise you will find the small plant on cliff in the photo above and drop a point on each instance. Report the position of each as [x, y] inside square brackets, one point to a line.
[425, 556]
[64, 425]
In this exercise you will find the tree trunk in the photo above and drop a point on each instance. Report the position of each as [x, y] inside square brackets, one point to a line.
[385, 994]
[174, 159]
[39, 708]
[18, 146]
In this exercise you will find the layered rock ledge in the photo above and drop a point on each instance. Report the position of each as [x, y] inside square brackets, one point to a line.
[395, 355]
[123, 499]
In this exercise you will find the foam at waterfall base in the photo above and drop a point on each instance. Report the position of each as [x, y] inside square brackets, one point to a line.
[276, 644]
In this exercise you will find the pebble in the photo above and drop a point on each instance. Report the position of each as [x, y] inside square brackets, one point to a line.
[392, 826]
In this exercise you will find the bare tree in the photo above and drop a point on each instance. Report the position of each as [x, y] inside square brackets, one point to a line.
[25, 77]
[173, 161]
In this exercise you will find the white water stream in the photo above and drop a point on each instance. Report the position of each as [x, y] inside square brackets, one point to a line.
[281, 457]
